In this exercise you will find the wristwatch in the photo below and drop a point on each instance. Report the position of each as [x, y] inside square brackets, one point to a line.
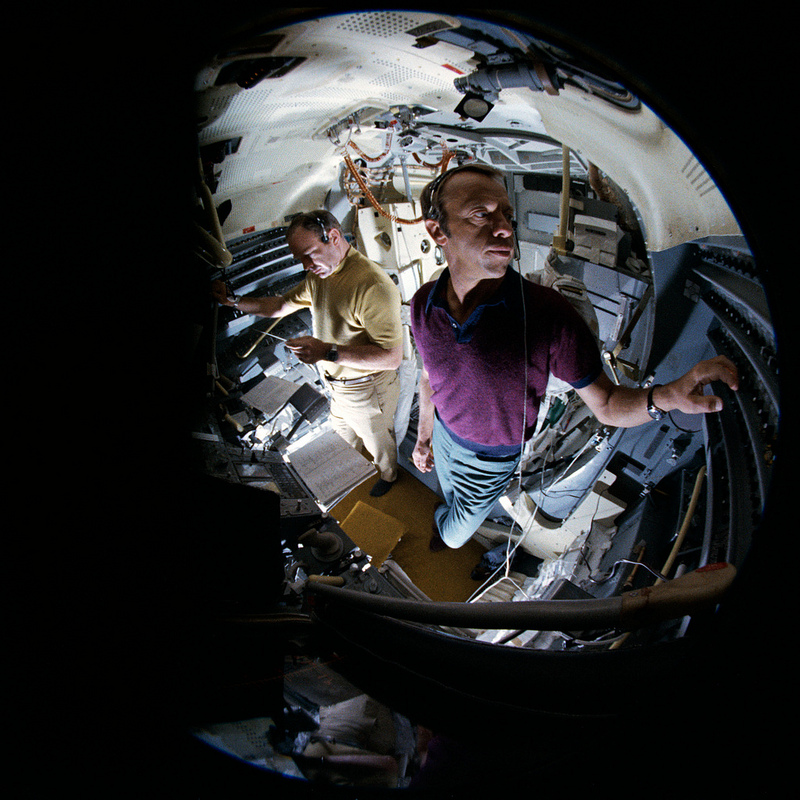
[652, 409]
[332, 354]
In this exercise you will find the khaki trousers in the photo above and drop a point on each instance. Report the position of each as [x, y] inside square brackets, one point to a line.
[363, 415]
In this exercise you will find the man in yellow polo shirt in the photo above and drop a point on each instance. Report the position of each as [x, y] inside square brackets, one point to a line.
[357, 341]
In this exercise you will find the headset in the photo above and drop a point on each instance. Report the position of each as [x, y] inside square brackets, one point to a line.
[434, 211]
[307, 220]
[323, 235]
[516, 249]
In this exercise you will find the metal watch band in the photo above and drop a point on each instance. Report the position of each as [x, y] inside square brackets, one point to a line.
[652, 409]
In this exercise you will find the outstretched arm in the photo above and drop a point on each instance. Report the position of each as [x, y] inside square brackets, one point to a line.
[624, 407]
[260, 306]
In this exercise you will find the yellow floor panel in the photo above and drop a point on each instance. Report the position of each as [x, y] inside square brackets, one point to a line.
[407, 509]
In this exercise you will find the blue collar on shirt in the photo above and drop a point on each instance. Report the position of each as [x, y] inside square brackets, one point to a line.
[507, 295]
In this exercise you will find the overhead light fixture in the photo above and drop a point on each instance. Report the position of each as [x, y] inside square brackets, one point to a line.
[474, 106]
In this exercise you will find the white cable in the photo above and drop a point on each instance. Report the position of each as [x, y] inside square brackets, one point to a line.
[546, 492]
[509, 555]
[510, 552]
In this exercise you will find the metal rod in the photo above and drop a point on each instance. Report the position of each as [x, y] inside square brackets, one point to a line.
[560, 240]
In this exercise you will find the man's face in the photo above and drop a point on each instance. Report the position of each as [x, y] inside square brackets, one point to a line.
[315, 255]
[480, 242]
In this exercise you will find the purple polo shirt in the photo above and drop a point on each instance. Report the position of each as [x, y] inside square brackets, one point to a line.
[477, 370]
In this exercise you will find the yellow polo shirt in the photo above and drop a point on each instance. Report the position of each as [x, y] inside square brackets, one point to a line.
[356, 304]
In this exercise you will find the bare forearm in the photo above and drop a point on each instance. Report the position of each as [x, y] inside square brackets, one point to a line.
[426, 410]
[360, 356]
[369, 356]
[260, 306]
[422, 455]
[626, 407]
[263, 306]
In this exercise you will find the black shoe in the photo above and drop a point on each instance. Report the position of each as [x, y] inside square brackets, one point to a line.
[437, 544]
[380, 488]
[482, 572]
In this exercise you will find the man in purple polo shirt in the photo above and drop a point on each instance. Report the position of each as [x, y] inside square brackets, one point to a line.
[489, 340]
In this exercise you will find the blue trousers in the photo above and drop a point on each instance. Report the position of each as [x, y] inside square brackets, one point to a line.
[471, 484]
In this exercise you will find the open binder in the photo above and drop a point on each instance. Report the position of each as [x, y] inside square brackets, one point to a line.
[329, 467]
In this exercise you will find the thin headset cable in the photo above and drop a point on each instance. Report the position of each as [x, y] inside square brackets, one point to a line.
[509, 550]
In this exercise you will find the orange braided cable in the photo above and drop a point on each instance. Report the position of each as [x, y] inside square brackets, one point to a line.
[368, 194]
[383, 155]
